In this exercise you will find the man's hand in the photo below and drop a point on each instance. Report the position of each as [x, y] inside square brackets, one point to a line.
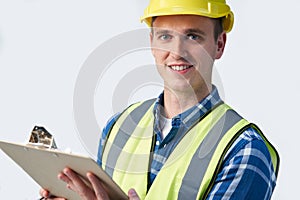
[91, 190]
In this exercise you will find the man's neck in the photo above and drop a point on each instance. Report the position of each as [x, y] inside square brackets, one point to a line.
[176, 102]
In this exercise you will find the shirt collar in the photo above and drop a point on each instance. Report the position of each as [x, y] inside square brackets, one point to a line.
[188, 117]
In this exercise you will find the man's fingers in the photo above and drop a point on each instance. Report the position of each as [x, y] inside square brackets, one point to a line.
[72, 178]
[77, 184]
[133, 195]
[44, 193]
[100, 192]
[64, 178]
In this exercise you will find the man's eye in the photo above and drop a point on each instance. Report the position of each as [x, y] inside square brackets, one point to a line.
[165, 37]
[193, 37]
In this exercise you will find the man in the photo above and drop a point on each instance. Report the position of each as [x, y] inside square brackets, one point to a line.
[186, 144]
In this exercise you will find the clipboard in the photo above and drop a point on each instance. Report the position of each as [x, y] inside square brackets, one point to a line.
[43, 165]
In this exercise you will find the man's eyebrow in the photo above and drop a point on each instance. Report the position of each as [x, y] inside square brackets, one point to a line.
[194, 30]
[161, 31]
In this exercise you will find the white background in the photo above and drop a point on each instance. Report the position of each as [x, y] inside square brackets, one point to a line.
[44, 43]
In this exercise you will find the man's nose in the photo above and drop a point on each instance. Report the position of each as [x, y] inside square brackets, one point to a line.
[178, 48]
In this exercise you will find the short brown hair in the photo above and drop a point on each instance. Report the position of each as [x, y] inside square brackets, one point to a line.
[218, 29]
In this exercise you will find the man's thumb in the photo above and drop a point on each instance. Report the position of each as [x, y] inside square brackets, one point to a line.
[133, 195]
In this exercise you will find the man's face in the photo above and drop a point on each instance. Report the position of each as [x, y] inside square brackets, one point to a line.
[184, 49]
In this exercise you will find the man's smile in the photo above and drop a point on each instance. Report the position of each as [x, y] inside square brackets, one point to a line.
[180, 68]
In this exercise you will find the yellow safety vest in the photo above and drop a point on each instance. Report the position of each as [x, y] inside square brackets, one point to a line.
[190, 170]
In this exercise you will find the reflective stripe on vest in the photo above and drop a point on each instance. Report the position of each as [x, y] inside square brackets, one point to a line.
[128, 125]
[190, 170]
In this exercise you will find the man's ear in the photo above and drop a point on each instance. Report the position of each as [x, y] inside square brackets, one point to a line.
[221, 42]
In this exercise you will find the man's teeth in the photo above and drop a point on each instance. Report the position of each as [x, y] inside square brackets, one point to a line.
[179, 68]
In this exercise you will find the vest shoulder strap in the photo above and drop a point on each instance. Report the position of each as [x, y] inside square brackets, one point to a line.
[136, 112]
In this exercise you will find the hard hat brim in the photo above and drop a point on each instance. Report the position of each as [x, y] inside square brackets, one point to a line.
[227, 22]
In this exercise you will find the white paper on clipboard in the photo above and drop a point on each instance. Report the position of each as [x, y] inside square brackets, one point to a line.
[43, 165]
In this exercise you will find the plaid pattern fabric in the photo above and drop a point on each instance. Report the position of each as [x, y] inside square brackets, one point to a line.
[180, 125]
[247, 171]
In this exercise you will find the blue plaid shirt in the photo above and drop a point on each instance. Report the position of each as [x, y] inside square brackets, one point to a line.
[247, 171]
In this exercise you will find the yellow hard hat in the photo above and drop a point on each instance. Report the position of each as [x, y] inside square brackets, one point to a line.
[207, 8]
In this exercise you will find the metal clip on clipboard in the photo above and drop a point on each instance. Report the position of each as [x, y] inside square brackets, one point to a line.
[41, 138]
